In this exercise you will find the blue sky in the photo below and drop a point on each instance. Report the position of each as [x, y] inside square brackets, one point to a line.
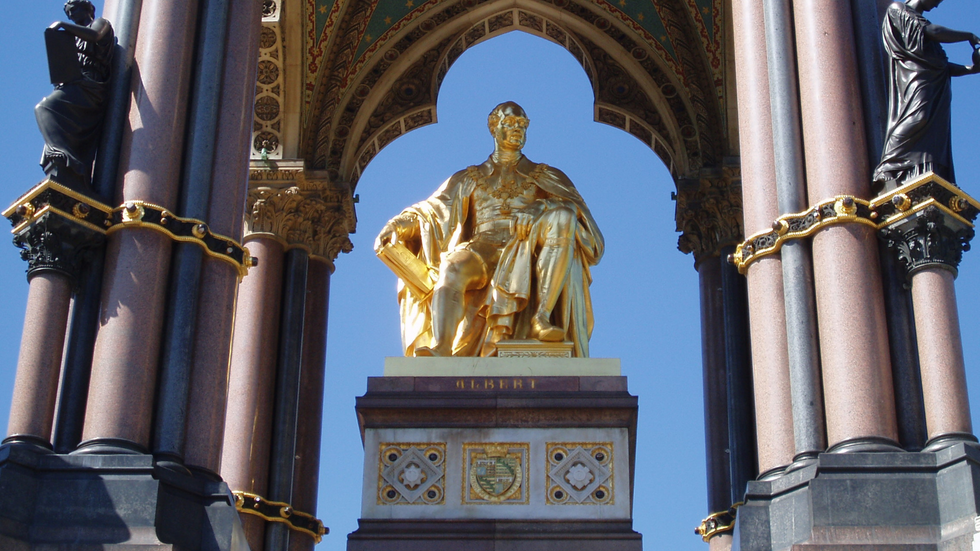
[645, 292]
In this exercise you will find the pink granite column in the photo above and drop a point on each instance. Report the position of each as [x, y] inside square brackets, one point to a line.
[858, 393]
[39, 363]
[307, 475]
[937, 326]
[125, 361]
[767, 314]
[251, 382]
[219, 280]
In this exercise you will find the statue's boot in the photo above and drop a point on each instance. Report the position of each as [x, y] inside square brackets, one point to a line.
[447, 311]
[552, 269]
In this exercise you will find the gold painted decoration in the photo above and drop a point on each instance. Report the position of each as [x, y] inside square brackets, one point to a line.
[718, 523]
[495, 473]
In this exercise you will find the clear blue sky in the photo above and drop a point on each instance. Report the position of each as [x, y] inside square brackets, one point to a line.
[645, 292]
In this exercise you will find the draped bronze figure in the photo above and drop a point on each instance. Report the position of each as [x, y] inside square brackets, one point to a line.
[500, 251]
[70, 118]
[918, 135]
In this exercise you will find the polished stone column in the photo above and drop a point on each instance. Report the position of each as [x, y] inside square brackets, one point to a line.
[947, 404]
[122, 387]
[285, 411]
[84, 324]
[708, 215]
[767, 314]
[715, 386]
[219, 280]
[309, 427]
[859, 396]
[39, 362]
[251, 382]
[806, 394]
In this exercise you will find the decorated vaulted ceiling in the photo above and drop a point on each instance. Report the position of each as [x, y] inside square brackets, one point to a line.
[370, 70]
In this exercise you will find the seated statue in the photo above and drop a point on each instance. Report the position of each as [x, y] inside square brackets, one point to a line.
[70, 119]
[919, 94]
[509, 245]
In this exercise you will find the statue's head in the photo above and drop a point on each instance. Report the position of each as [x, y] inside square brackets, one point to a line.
[76, 9]
[508, 125]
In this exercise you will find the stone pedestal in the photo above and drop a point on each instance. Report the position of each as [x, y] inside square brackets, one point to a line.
[884, 501]
[105, 502]
[508, 453]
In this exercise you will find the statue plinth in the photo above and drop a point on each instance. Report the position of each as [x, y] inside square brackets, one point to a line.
[497, 451]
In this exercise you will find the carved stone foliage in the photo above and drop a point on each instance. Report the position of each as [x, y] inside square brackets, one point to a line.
[301, 211]
[929, 242]
[269, 86]
[674, 103]
[709, 212]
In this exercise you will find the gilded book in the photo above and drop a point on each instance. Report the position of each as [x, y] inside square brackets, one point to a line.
[408, 268]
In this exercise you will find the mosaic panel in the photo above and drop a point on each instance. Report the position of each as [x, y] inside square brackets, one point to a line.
[495, 473]
[412, 473]
[267, 122]
[580, 473]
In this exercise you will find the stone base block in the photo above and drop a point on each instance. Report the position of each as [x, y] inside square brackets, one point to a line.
[475, 535]
[863, 501]
[117, 502]
[497, 462]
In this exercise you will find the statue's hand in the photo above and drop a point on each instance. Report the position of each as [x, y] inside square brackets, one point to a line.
[974, 40]
[398, 228]
[522, 225]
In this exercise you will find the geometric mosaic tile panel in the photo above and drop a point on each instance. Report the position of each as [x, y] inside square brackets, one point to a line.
[412, 473]
[580, 473]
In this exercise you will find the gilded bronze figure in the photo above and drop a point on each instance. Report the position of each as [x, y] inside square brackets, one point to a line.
[501, 251]
[918, 135]
[70, 119]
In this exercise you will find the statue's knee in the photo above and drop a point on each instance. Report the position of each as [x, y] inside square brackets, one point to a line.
[459, 269]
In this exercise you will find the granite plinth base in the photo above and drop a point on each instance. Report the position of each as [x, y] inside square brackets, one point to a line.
[862, 501]
[493, 535]
[497, 462]
[118, 502]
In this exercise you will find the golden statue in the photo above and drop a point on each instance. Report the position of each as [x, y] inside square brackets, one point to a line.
[501, 251]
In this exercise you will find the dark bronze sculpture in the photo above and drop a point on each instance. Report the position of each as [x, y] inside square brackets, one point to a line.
[918, 135]
[70, 119]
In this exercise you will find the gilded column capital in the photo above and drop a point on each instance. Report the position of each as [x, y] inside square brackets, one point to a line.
[709, 211]
[300, 208]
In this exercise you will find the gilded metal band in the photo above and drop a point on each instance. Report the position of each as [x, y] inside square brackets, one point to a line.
[187, 230]
[717, 523]
[839, 210]
[51, 198]
[884, 211]
[277, 511]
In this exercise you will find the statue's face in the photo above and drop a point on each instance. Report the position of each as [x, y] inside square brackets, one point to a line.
[511, 131]
[80, 14]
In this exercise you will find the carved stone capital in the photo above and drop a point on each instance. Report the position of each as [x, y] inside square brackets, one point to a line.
[57, 228]
[709, 212]
[931, 241]
[302, 209]
[51, 242]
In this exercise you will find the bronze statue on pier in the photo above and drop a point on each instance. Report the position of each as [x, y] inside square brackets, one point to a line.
[918, 135]
[501, 251]
[70, 118]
